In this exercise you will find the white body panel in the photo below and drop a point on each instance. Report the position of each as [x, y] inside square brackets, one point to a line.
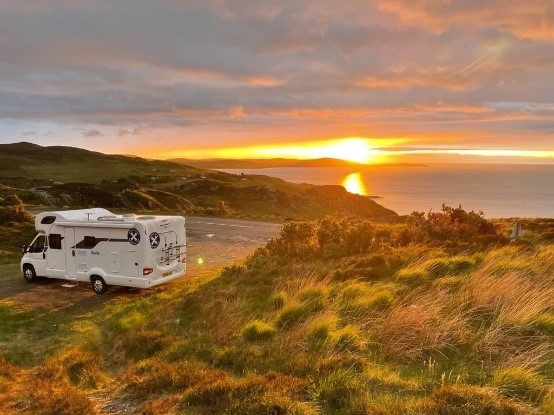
[125, 250]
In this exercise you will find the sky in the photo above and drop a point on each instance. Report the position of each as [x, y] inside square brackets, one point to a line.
[367, 80]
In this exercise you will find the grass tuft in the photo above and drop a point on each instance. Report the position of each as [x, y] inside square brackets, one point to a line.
[471, 400]
[257, 330]
[292, 314]
[279, 300]
[519, 383]
[319, 332]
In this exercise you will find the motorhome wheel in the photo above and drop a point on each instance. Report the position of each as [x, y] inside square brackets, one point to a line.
[29, 273]
[99, 285]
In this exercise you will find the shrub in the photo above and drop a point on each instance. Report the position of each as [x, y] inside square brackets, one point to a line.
[452, 225]
[257, 330]
[518, 383]
[12, 210]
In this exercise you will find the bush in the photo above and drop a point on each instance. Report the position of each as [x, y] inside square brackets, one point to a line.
[451, 225]
[257, 330]
[13, 210]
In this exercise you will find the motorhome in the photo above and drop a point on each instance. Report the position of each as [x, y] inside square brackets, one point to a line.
[97, 246]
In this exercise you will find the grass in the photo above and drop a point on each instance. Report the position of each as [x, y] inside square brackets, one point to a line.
[290, 333]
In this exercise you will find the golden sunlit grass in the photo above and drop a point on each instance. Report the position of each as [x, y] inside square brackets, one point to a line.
[327, 319]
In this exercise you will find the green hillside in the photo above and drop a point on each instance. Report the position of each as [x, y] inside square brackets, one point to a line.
[441, 314]
[66, 177]
[70, 164]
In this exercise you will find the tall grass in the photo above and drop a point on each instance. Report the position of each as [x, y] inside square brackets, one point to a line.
[315, 323]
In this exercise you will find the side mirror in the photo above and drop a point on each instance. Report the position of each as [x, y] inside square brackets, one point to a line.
[24, 249]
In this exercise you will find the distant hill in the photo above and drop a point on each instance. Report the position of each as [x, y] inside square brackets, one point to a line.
[68, 177]
[274, 162]
[76, 164]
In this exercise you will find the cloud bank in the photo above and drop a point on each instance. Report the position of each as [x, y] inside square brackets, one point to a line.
[473, 73]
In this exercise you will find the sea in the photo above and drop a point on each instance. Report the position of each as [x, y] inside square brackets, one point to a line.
[497, 190]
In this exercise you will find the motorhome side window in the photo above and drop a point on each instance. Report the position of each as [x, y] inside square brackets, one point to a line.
[55, 241]
[38, 244]
[89, 242]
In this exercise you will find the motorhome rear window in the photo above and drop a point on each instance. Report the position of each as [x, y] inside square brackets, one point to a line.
[47, 220]
[89, 242]
[55, 241]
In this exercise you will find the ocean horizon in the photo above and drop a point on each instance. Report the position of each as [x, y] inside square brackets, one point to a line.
[498, 190]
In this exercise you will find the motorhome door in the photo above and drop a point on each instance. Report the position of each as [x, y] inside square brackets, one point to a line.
[70, 255]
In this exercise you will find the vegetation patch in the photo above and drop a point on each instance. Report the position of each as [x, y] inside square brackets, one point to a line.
[257, 330]
[329, 318]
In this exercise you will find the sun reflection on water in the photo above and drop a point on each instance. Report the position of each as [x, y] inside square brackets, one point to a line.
[354, 183]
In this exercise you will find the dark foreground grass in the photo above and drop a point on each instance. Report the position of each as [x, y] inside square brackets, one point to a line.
[394, 322]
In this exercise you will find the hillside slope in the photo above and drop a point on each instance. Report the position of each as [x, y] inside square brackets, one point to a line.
[439, 315]
[70, 164]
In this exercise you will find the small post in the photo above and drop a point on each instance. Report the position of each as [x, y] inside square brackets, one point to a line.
[516, 232]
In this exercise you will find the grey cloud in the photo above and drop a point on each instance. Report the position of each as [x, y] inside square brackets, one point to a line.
[172, 63]
[29, 133]
[92, 133]
[122, 132]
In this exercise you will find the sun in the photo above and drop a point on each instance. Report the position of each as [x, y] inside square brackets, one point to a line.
[358, 150]
[352, 149]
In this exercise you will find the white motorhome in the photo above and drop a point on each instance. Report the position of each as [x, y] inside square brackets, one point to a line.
[96, 246]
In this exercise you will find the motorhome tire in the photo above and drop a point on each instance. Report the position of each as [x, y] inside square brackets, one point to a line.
[99, 286]
[29, 273]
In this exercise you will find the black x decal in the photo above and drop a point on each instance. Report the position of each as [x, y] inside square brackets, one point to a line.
[154, 240]
[133, 236]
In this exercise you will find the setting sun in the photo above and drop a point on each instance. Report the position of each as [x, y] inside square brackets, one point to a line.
[357, 150]
[354, 149]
